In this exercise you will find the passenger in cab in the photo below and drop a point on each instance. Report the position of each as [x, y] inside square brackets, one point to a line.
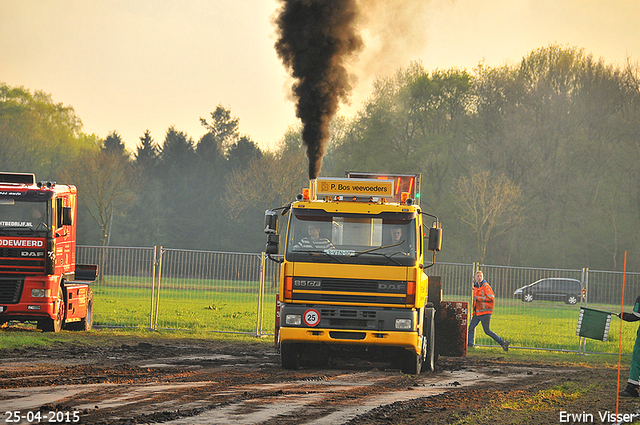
[313, 241]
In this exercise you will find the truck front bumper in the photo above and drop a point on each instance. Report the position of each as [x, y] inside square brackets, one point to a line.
[350, 337]
[26, 311]
[352, 325]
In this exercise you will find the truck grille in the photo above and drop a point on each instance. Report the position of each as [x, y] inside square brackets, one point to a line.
[21, 261]
[357, 291]
[345, 313]
[10, 290]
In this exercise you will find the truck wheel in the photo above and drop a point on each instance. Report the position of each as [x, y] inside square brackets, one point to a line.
[289, 355]
[55, 325]
[429, 340]
[86, 324]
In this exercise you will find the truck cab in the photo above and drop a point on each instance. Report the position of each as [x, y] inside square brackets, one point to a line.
[38, 267]
[352, 276]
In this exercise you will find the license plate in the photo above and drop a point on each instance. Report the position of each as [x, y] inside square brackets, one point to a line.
[1, 309]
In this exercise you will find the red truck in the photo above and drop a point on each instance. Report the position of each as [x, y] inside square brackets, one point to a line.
[39, 278]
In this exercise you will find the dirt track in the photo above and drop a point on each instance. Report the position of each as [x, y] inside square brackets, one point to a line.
[206, 382]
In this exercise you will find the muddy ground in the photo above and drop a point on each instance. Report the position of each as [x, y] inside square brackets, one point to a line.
[213, 382]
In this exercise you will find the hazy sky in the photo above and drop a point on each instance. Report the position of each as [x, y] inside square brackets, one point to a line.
[133, 65]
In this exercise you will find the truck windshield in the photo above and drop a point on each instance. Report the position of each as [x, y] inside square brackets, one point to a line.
[17, 217]
[382, 239]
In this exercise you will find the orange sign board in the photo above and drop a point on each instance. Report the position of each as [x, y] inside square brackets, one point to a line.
[354, 187]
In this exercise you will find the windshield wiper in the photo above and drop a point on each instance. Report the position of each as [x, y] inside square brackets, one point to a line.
[388, 256]
[367, 251]
[309, 251]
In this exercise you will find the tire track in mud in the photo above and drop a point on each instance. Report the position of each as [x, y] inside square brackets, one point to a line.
[198, 385]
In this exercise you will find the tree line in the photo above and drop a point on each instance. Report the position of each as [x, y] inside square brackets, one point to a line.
[528, 164]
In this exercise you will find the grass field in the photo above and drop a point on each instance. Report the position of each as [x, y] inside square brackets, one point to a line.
[224, 306]
[211, 305]
[552, 325]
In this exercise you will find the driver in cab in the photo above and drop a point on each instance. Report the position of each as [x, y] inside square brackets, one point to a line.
[398, 238]
[313, 241]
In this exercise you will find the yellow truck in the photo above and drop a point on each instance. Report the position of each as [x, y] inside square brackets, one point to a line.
[352, 279]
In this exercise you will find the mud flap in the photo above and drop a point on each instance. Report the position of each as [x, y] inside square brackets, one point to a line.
[276, 338]
[451, 329]
[434, 294]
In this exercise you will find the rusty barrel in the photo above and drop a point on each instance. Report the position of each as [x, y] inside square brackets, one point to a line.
[451, 329]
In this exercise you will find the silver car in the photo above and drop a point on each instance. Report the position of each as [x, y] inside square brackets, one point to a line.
[551, 289]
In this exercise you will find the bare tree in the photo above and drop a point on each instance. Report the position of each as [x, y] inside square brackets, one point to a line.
[267, 182]
[489, 205]
[106, 185]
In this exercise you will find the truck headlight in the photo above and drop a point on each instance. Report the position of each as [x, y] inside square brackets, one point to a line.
[403, 324]
[40, 293]
[293, 319]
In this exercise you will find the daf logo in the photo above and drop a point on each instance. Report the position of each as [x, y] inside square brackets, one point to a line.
[31, 254]
[392, 286]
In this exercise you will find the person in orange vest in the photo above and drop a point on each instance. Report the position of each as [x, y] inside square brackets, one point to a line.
[483, 300]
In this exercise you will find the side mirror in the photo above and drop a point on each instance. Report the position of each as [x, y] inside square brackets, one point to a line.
[435, 239]
[270, 222]
[273, 240]
[271, 229]
[67, 219]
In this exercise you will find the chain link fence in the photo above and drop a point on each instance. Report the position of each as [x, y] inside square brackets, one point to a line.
[161, 288]
[209, 291]
[124, 289]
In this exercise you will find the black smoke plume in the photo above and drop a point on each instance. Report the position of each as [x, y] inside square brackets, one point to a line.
[315, 37]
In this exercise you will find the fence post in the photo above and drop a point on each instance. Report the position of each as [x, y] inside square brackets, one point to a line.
[582, 341]
[155, 323]
[153, 285]
[474, 268]
[261, 287]
[585, 282]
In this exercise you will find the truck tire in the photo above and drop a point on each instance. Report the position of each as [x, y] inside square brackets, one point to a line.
[55, 325]
[429, 340]
[86, 324]
[289, 356]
